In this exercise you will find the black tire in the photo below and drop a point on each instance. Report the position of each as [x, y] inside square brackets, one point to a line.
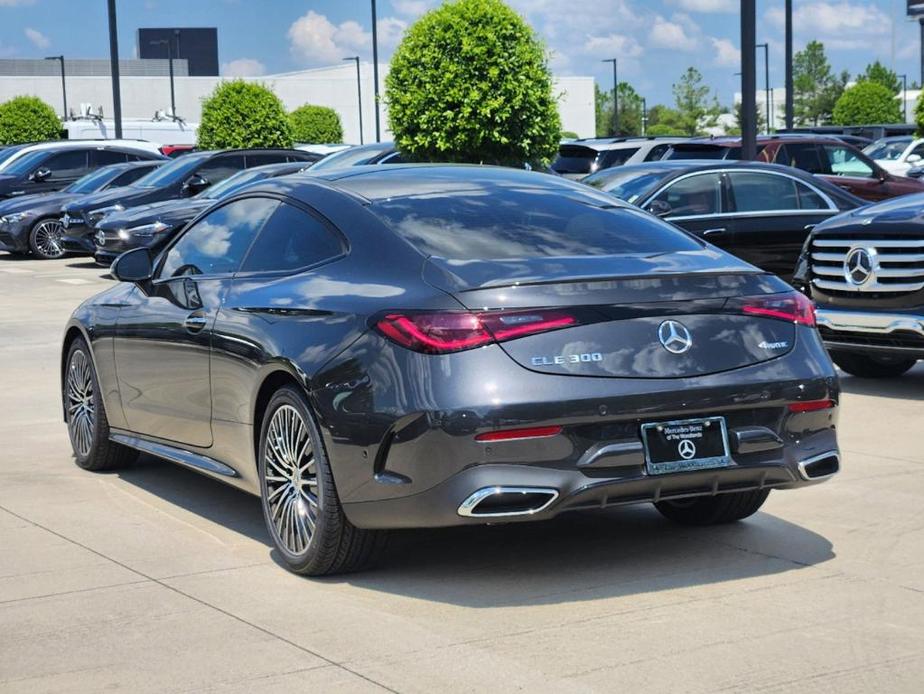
[869, 366]
[90, 439]
[713, 510]
[333, 545]
[42, 235]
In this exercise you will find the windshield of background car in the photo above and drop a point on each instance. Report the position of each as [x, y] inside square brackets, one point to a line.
[626, 186]
[171, 173]
[229, 185]
[91, 182]
[526, 223]
[349, 157]
[887, 150]
[574, 159]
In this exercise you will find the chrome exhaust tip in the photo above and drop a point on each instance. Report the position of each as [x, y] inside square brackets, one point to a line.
[502, 502]
[821, 466]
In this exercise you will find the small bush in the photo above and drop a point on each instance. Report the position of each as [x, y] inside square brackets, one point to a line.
[470, 83]
[866, 102]
[568, 135]
[316, 125]
[28, 119]
[243, 114]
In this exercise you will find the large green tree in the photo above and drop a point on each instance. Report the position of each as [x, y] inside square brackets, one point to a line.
[663, 120]
[815, 87]
[694, 108]
[867, 102]
[243, 114]
[736, 129]
[630, 111]
[879, 73]
[470, 82]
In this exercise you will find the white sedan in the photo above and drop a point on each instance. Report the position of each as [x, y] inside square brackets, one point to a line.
[897, 154]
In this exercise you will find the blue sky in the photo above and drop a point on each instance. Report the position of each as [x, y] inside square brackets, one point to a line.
[655, 40]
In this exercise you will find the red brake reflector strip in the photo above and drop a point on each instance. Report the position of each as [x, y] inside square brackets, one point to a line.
[511, 434]
[811, 405]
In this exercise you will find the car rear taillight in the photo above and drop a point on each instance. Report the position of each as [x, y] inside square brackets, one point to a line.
[518, 434]
[811, 406]
[455, 331]
[792, 307]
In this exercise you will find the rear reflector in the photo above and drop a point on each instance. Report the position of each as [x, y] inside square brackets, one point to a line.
[455, 331]
[811, 405]
[512, 434]
[793, 307]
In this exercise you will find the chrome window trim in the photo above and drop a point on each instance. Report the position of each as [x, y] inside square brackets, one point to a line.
[824, 196]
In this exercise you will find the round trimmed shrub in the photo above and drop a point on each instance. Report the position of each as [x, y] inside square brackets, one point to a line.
[28, 119]
[316, 125]
[243, 114]
[866, 102]
[470, 82]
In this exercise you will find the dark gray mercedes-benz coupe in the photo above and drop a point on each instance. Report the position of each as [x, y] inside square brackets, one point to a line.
[420, 346]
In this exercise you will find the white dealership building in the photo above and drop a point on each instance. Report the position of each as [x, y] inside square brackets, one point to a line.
[143, 94]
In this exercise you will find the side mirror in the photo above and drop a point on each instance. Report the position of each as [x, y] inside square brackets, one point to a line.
[659, 208]
[40, 175]
[913, 158]
[195, 184]
[133, 266]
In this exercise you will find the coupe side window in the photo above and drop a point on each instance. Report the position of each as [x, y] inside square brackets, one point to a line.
[67, 164]
[695, 195]
[846, 162]
[220, 168]
[216, 244]
[290, 240]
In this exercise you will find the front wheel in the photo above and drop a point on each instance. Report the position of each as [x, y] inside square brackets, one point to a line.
[45, 239]
[300, 503]
[869, 366]
[713, 510]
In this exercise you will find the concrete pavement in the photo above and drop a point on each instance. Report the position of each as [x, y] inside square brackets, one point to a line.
[155, 579]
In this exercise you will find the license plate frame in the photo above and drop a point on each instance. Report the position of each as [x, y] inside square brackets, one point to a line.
[717, 455]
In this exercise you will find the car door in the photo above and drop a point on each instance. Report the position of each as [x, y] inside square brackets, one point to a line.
[58, 171]
[695, 202]
[106, 157]
[220, 167]
[771, 214]
[164, 332]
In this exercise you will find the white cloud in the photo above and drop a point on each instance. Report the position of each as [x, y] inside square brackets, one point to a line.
[38, 39]
[709, 5]
[613, 45]
[391, 30]
[727, 54]
[313, 37]
[243, 67]
[411, 8]
[839, 25]
[675, 34]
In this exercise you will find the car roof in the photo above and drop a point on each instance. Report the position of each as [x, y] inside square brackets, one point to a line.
[610, 143]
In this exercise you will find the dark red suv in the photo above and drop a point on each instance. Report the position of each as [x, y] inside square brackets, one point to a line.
[840, 163]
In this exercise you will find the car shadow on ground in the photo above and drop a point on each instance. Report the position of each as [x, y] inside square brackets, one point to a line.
[85, 265]
[909, 386]
[576, 557]
[15, 257]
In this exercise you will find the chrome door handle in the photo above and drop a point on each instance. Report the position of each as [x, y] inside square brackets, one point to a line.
[714, 232]
[195, 322]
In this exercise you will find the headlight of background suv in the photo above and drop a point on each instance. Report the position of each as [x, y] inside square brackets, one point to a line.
[143, 231]
[94, 216]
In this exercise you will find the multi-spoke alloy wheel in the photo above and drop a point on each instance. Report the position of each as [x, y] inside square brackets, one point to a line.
[291, 479]
[301, 507]
[45, 239]
[81, 408]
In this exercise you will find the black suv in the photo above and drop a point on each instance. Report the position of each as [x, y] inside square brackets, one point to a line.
[865, 271]
[183, 177]
[54, 168]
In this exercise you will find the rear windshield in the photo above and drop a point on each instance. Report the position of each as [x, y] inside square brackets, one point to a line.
[574, 159]
[504, 225]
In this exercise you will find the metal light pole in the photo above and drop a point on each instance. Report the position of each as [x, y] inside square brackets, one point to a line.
[748, 80]
[359, 96]
[114, 69]
[644, 116]
[766, 47]
[63, 85]
[169, 44]
[375, 72]
[904, 97]
[789, 87]
[615, 62]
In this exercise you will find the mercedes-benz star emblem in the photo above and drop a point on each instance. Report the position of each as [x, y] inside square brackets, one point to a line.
[858, 266]
[686, 449]
[675, 337]
[101, 237]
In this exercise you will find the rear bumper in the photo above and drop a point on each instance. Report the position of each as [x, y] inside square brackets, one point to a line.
[872, 332]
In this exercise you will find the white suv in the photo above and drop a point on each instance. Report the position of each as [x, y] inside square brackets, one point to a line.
[10, 154]
[897, 154]
[578, 158]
